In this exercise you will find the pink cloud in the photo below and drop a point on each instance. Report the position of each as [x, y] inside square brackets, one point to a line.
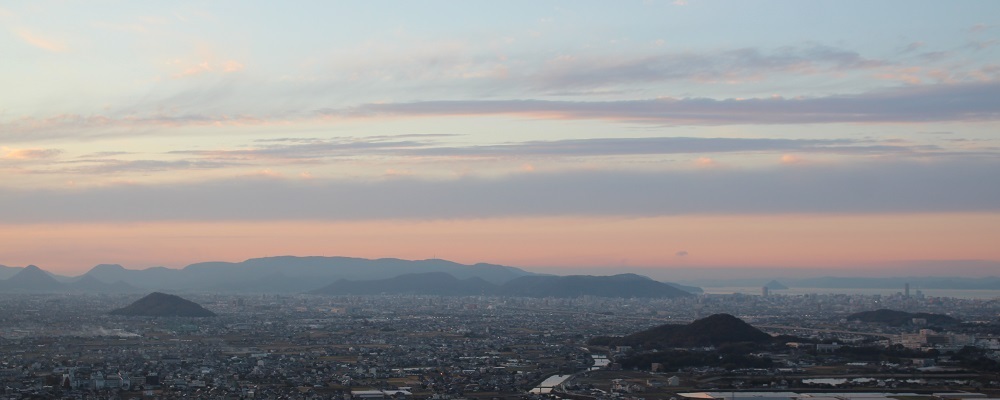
[28, 154]
[706, 162]
[390, 172]
[193, 70]
[232, 66]
[205, 67]
[38, 41]
[978, 28]
[790, 159]
[266, 173]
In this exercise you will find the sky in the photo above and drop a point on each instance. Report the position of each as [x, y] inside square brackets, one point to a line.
[684, 136]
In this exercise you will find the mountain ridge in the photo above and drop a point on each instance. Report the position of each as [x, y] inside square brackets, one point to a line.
[427, 283]
[621, 285]
[290, 274]
[444, 284]
[31, 279]
[299, 274]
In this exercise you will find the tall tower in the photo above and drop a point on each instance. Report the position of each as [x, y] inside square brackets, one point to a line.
[906, 290]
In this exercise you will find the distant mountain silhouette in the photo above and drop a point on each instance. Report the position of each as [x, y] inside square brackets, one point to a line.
[32, 279]
[775, 285]
[7, 272]
[330, 275]
[623, 285]
[443, 284]
[429, 283]
[292, 274]
[158, 304]
[714, 330]
[900, 318]
[90, 284]
[687, 288]
[106, 270]
[155, 277]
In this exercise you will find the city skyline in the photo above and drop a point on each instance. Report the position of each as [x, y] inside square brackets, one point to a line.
[555, 136]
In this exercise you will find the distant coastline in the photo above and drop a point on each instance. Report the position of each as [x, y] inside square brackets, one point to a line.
[957, 293]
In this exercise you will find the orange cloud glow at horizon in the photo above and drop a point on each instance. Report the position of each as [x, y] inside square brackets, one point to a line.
[705, 241]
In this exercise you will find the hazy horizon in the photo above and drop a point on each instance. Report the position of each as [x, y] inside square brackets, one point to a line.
[682, 274]
[675, 137]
